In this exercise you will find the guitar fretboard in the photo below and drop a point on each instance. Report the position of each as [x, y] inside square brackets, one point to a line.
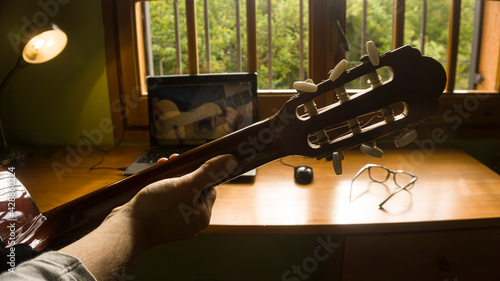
[235, 100]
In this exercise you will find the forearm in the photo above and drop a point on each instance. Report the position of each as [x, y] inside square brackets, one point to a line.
[110, 250]
[154, 216]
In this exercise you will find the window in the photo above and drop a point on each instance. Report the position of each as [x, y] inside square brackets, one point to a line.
[221, 44]
[466, 42]
[221, 38]
[425, 26]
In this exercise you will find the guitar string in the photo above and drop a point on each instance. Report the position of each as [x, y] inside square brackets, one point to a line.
[364, 124]
[333, 129]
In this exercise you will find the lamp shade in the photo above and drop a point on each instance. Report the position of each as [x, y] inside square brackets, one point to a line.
[45, 46]
[38, 44]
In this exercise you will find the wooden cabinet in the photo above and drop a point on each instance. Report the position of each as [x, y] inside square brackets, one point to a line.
[433, 255]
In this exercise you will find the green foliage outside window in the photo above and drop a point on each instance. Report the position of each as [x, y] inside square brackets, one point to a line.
[285, 36]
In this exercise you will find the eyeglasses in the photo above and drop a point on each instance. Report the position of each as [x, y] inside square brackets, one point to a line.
[380, 174]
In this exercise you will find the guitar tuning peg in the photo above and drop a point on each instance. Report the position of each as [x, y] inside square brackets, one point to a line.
[310, 107]
[338, 70]
[337, 158]
[371, 49]
[371, 150]
[374, 59]
[305, 86]
[405, 138]
[342, 94]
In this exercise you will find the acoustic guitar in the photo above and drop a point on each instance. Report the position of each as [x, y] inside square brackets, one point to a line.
[387, 109]
[198, 123]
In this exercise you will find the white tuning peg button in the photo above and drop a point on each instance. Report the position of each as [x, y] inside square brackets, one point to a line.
[303, 86]
[372, 53]
[337, 162]
[371, 150]
[338, 70]
[405, 138]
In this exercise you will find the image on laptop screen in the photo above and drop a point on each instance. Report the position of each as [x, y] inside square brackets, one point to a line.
[194, 109]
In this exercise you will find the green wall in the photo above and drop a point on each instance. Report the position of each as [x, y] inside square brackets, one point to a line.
[55, 102]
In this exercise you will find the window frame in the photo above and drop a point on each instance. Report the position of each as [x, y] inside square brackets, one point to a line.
[128, 104]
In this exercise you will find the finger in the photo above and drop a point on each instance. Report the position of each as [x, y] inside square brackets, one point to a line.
[212, 172]
[163, 159]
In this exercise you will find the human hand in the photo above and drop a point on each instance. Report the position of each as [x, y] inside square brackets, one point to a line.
[164, 211]
[177, 208]
[233, 118]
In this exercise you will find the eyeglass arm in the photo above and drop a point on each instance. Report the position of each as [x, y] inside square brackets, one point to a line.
[396, 192]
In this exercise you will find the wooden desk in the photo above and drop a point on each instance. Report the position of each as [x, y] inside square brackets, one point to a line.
[451, 220]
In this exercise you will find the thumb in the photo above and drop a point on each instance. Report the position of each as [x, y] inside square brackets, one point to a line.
[213, 171]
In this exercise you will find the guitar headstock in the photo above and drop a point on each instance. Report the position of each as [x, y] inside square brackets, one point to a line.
[389, 107]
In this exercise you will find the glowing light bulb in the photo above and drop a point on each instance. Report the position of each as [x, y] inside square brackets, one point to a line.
[34, 47]
[50, 42]
[38, 44]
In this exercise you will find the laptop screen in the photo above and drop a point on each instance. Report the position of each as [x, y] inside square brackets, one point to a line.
[195, 109]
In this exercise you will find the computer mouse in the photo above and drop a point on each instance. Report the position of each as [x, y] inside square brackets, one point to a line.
[303, 174]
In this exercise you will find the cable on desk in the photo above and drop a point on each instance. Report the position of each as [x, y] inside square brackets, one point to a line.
[102, 152]
[286, 164]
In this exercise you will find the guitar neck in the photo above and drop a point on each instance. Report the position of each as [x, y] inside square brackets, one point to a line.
[67, 223]
[235, 100]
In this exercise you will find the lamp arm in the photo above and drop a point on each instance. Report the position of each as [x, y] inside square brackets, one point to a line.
[21, 63]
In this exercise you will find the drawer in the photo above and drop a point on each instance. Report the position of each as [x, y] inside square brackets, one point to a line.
[442, 255]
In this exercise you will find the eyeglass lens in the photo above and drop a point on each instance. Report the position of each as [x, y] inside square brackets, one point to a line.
[402, 179]
[381, 174]
[378, 174]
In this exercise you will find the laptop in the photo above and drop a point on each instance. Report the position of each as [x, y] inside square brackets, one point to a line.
[186, 111]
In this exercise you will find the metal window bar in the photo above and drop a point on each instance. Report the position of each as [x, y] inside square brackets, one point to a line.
[269, 45]
[177, 38]
[423, 27]
[362, 80]
[301, 41]
[238, 35]
[207, 36]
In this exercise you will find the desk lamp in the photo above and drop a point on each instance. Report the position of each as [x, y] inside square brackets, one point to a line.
[43, 43]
